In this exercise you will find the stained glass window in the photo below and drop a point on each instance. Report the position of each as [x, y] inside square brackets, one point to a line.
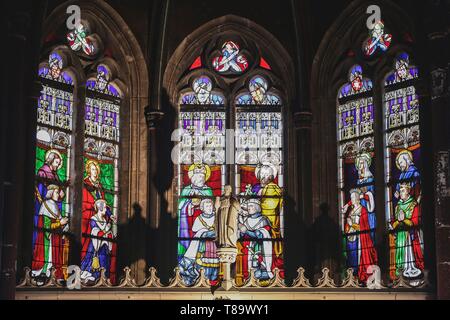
[53, 208]
[254, 112]
[403, 171]
[378, 39]
[356, 181]
[80, 40]
[230, 60]
[259, 181]
[201, 171]
[202, 93]
[100, 179]
[258, 94]
[196, 64]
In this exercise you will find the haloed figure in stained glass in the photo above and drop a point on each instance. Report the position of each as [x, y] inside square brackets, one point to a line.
[408, 238]
[271, 200]
[365, 183]
[201, 252]
[47, 244]
[92, 192]
[409, 173]
[254, 228]
[52, 163]
[198, 174]
[202, 94]
[258, 93]
[47, 251]
[98, 248]
[360, 249]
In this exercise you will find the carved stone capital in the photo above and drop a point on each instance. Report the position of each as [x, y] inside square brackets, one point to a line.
[227, 255]
[303, 120]
[152, 117]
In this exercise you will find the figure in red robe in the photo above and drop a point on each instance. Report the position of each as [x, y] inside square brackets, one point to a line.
[361, 252]
[92, 191]
[49, 242]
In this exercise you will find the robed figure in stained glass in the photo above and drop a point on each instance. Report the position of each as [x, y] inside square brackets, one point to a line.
[377, 39]
[201, 252]
[47, 173]
[99, 245]
[366, 184]
[49, 242]
[408, 238]
[188, 204]
[92, 191]
[408, 173]
[271, 200]
[360, 249]
[52, 163]
[255, 229]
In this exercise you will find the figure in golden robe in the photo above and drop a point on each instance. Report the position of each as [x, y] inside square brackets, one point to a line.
[271, 200]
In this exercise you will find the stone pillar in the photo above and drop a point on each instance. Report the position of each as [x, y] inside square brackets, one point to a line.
[439, 62]
[227, 256]
[18, 118]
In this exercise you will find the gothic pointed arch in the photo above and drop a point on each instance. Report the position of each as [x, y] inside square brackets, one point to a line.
[110, 151]
[350, 120]
[230, 74]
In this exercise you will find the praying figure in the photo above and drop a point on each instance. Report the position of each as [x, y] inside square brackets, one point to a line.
[92, 191]
[49, 242]
[98, 243]
[408, 236]
[255, 232]
[201, 252]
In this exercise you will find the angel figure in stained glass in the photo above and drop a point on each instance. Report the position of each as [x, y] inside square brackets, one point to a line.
[377, 39]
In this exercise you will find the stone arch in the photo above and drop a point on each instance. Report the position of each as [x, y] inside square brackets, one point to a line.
[338, 51]
[281, 76]
[190, 47]
[121, 45]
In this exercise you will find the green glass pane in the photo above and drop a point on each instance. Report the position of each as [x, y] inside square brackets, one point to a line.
[107, 176]
[109, 199]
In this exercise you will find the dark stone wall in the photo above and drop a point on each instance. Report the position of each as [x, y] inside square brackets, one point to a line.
[159, 27]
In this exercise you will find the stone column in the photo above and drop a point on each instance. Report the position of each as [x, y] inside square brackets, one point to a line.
[227, 256]
[438, 53]
[23, 24]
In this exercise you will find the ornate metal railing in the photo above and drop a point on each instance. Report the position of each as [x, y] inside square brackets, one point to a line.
[152, 281]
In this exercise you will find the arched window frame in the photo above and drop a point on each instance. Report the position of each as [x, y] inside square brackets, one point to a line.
[342, 47]
[241, 85]
[103, 22]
